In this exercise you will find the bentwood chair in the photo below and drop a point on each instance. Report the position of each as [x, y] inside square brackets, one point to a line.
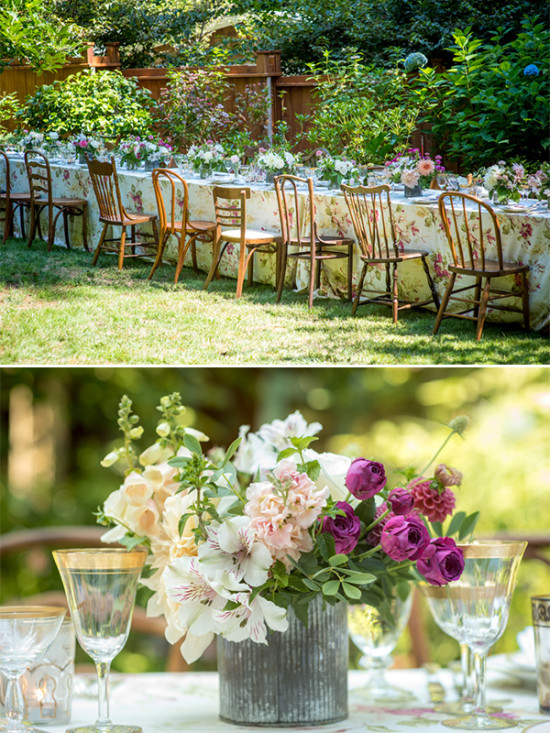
[300, 233]
[10, 202]
[42, 199]
[231, 218]
[469, 234]
[372, 219]
[112, 213]
[185, 230]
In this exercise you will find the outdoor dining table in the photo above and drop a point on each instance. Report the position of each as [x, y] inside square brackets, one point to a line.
[525, 235]
[188, 701]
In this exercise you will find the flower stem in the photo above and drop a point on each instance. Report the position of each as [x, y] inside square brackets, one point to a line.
[376, 521]
[421, 473]
[368, 553]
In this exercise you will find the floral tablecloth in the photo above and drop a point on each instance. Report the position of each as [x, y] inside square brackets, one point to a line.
[175, 703]
[526, 237]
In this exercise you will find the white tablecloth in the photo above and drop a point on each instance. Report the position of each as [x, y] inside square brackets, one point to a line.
[175, 703]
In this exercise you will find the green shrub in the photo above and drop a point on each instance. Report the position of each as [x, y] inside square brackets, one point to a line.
[485, 108]
[101, 102]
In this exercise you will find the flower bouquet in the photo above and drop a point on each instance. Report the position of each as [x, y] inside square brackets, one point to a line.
[539, 183]
[414, 170]
[268, 533]
[207, 158]
[86, 144]
[504, 182]
[136, 152]
[336, 170]
[275, 162]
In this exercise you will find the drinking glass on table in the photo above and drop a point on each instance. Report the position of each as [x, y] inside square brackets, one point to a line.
[375, 631]
[479, 604]
[26, 632]
[101, 588]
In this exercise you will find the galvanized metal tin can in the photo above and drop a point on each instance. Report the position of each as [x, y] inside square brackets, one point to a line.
[299, 678]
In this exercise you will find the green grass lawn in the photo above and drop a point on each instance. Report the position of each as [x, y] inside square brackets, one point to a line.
[55, 308]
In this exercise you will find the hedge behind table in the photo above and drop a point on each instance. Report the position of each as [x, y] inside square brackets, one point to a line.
[525, 236]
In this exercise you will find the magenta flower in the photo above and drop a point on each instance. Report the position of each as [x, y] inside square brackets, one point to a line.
[365, 479]
[345, 528]
[442, 561]
[401, 501]
[404, 538]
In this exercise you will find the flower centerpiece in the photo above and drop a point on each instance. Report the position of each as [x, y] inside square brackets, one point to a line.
[270, 533]
[207, 158]
[414, 170]
[136, 152]
[276, 161]
[86, 144]
[32, 140]
[504, 181]
[336, 169]
[539, 183]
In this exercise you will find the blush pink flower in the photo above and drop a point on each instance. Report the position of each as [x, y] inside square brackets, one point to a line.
[425, 167]
[434, 505]
[409, 178]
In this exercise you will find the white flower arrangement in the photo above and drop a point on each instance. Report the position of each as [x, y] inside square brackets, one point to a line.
[504, 181]
[208, 157]
[277, 161]
[336, 170]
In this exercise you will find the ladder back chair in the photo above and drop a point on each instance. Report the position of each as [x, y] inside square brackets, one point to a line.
[42, 199]
[183, 228]
[468, 242]
[231, 218]
[301, 233]
[104, 179]
[11, 202]
[372, 219]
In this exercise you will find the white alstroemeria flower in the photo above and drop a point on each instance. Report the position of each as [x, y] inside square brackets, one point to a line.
[251, 619]
[232, 547]
[254, 455]
[278, 432]
[333, 472]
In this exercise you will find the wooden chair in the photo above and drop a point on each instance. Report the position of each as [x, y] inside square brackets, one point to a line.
[41, 198]
[182, 229]
[44, 538]
[301, 233]
[230, 208]
[112, 213]
[10, 202]
[372, 219]
[468, 242]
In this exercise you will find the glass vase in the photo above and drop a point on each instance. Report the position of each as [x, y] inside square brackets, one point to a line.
[413, 191]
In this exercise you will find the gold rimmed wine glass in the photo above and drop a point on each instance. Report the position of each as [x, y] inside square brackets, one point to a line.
[26, 632]
[101, 588]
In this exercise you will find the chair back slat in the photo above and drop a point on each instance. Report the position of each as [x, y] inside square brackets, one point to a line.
[5, 182]
[295, 229]
[39, 175]
[372, 219]
[461, 224]
[168, 221]
[231, 215]
[104, 179]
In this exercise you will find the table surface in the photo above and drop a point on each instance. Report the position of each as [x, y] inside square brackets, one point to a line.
[170, 703]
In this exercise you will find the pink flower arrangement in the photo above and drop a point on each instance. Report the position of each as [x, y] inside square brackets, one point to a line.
[413, 167]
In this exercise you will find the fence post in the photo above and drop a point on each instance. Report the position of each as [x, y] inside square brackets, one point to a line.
[269, 64]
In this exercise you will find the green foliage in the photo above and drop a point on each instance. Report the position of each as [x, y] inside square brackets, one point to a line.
[485, 109]
[9, 105]
[31, 33]
[101, 102]
[365, 112]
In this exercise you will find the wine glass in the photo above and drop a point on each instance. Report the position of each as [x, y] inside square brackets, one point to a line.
[479, 602]
[26, 632]
[375, 632]
[101, 588]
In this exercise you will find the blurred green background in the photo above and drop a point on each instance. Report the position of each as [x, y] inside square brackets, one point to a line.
[58, 423]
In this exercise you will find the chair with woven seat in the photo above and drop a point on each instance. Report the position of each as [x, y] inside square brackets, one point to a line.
[372, 219]
[112, 212]
[11, 201]
[185, 230]
[301, 233]
[231, 218]
[42, 199]
[468, 242]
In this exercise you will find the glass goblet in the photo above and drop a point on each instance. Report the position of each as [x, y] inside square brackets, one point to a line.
[375, 632]
[101, 588]
[480, 602]
[26, 632]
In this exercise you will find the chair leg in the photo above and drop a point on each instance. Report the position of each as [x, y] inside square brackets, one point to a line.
[100, 243]
[483, 309]
[388, 279]
[182, 251]
[8, 213]
[85, 226]
[444, 303]
[66, 228]
[132, 239]
[282, 270]
[350, 272]
[32, 226]
[433, 289]
[395, 299]
[122, 248]
[477, 296]
[194, 253]
[242, 269]
[22, 220]
[312, 274]
[525, 300]
[251, 269]
[160, 252]
[359, 289]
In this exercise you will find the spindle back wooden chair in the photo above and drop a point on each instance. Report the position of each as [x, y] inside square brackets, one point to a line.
[300, 234]
[10, 202]
[42, 199]
[230, 206]
[186, 231]
[112, 212]
[372, 220]
[470, 233]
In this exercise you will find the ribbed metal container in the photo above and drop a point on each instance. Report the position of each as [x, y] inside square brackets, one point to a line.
[300, 678]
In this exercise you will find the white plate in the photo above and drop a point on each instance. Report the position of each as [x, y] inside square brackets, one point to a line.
[221, 179]
[424, 200]
[515, 208]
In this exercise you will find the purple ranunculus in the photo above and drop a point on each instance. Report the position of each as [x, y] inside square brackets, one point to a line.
[345, 528]
[404, 538]
[402, 502]
[365, 478]
[441, 562]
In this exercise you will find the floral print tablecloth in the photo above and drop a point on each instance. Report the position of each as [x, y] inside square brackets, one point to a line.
[526, 237]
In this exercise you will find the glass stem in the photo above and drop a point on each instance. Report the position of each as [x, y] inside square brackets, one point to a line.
[480, 659]
[467, 674]
[15, 705]
[103, 693]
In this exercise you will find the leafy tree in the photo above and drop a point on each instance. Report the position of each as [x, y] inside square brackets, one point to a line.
[31, 33]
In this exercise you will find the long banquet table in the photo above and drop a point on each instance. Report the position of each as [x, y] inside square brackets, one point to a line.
[526, 236]
[175, 703]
